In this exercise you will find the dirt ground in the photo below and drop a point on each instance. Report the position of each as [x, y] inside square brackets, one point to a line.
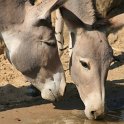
[17, 107]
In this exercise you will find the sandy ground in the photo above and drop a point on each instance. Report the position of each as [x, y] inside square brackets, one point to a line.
[17, 107]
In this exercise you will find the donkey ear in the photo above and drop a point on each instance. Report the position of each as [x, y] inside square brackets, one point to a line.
[47, 6]
[117, 21]
[78, 13]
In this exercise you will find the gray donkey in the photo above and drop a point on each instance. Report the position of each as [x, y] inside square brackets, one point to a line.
[90, 52]
[31, 45]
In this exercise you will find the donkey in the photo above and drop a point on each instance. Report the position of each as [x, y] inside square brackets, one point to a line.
[31, 45]
[90, 52]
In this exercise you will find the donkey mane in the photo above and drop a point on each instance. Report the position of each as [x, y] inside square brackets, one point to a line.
[101, 23]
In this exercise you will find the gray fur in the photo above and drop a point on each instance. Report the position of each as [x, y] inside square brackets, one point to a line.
[12, 12]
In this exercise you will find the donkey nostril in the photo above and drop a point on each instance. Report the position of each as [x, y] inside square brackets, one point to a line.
[93, 113]
[97, 116]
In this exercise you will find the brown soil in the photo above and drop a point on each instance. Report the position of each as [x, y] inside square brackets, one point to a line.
[16, 107]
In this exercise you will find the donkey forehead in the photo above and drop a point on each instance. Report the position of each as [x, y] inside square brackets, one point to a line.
[93, 45]
[91, 35]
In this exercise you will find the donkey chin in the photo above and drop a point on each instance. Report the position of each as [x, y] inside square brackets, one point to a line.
[51, 92]
[52, 89]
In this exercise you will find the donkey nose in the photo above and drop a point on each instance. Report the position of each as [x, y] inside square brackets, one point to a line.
[94, 114]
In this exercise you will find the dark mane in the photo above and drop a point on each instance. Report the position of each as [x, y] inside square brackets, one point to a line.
[101, 23]
[20, 2]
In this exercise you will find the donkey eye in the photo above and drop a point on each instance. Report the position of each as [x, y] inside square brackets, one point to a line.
[85, 65]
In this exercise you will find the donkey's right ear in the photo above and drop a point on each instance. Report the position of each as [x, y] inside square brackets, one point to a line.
[47, 6]
[117, 22]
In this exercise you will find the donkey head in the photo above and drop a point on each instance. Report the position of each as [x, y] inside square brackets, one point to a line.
[91, 56]
[32, 46]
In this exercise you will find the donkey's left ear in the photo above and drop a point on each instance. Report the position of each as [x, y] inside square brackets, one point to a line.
[47, 6]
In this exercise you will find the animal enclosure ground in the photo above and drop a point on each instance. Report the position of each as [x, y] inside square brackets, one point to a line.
[17, 107]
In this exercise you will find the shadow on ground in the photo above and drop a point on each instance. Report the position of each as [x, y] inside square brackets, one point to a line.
[13, 97]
